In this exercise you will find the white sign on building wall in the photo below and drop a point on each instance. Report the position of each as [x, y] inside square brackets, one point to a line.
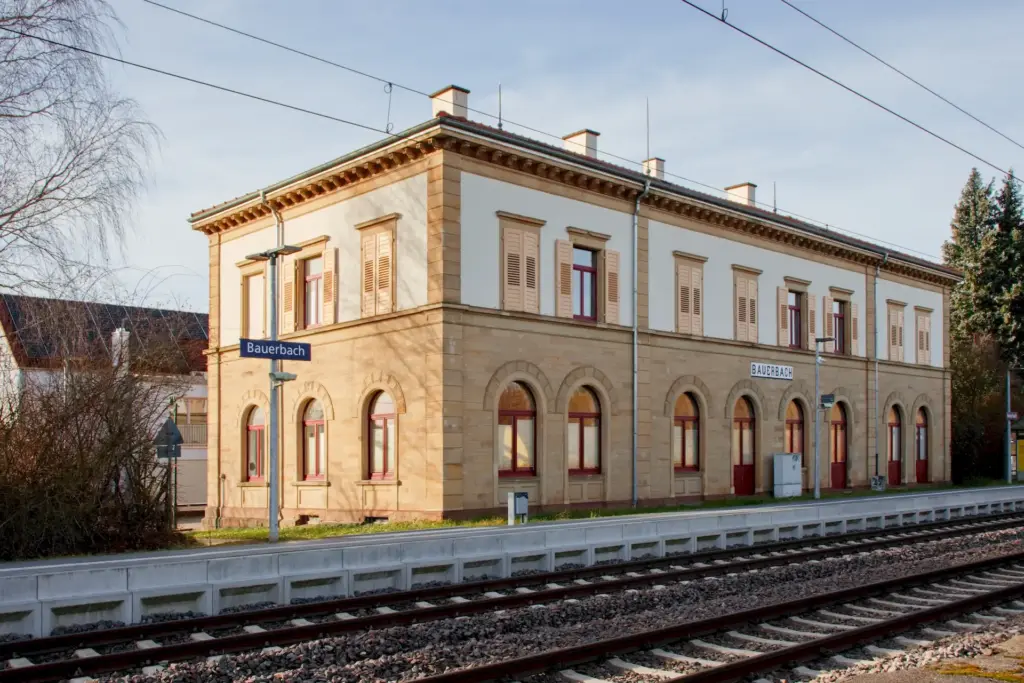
[769, 371]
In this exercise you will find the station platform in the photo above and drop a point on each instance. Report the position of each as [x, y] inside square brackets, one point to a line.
[37, 596]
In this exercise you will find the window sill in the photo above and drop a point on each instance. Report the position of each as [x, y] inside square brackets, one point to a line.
[254, 484]
[687, 471]
[312, 482]
[585, 473]
[379, 482]
[517, 475]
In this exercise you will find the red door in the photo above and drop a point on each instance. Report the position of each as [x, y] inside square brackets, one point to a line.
[922, 471]
[921, 447]
[894, 473]
[743, 479]
[839, 475]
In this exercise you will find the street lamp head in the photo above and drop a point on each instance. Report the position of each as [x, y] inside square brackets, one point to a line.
[821, 340]
[258, 257]
[283, 250]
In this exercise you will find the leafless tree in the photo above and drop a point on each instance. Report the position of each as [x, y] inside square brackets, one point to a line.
[71, 150]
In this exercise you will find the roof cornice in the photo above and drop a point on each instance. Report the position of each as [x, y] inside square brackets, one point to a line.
[558, 166]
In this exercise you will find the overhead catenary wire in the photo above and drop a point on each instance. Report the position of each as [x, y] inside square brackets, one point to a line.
[502, 120]
[901, 73]
[853, 91]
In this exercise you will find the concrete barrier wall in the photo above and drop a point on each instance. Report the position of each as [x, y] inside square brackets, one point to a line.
[36, 597]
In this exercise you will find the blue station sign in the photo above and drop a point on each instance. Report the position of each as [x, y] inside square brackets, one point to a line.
[274, 350]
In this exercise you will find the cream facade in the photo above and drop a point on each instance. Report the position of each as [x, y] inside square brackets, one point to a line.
[469, 298]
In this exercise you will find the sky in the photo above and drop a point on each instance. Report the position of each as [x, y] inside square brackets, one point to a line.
[723, 109]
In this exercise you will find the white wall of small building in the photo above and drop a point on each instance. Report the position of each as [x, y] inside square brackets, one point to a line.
[911, 296]
[481, 238]
[407, 197]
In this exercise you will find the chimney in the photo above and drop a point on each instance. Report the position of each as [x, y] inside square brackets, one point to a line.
[452, 100]
[742, 193]
[582, 142]
[119, 347]
[655, 168]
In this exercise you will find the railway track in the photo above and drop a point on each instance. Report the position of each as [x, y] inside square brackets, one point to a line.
[779, 638]
[141, 645]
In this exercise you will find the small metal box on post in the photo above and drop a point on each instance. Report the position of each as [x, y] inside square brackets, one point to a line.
[518, 506]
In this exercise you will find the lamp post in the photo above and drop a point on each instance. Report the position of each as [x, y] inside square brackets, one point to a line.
[276, 379]
[818, 360]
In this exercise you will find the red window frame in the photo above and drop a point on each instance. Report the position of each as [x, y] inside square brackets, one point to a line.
[315, 281]
[745, 423]
[578, 418]
[383, 418]
[249, 430]
[920, 437]
[897, 423]
[837, 431]
[795, 338]
[692, 423]
[578, 280]
[790, 445]
[515, 416]
[318, 472]
[839, 326]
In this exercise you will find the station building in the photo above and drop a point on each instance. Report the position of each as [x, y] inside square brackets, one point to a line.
[469, 297]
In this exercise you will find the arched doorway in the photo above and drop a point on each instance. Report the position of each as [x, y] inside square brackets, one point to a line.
[895, 447]
[921, 446]
[743, 447]
[837, 446]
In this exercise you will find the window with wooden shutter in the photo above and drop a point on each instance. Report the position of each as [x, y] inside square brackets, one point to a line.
[288, 296]
[563, 278]
[697, 291]
[812, 322]
[752, 309]
[512, 295]
[901, 351]
[782, 324]
[924, 337]
[688, 298]
[684, 298]
[830, 323]
[520, 262]
[330, 285]
[742, 328]
[253, 309]
[855, 329]
[378, 267]
[531, 271]
[368, 276]
[385, 272]
[612, 288]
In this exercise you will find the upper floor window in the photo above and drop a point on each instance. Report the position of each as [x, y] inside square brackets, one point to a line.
[745, 294]
[517, 439]
[689, 293]
[795, 317]
[896, 313]
[839, 326]
[254, 306]
[584, 284]
[313, 270]
[924, 336]
[377, 256]
[520, 262]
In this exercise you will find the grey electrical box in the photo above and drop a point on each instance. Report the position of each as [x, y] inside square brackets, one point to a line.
[518, 506]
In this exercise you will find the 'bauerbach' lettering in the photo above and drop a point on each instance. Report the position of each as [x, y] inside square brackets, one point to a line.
[275, 349]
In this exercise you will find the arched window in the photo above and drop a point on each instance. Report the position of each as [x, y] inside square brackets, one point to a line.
[895, 447]
[255, 444]
[837, 445]
[921, 446]
[517, 433]
[584, 456]
[795, 429]
[382, 442]
[743, 447]
[313, 446]
[686, 434]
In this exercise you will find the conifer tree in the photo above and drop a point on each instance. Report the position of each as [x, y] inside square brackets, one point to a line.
[999, 303]
[972, 220]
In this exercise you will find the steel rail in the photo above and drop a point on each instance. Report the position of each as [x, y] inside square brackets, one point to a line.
[868, 540]
[58, 670]
[601, 649]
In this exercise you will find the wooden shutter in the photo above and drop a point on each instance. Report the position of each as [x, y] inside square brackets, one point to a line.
[612, 288]
[812, 320]
[289, 296]
[330, 282]
[782, 299]
[563, 279]
[368, 300]
[901, 351]
[830, 322]
[752, 310]
[531, 271]
[385, 272]
[893, 335]
[927, 339]
[854, 330]
[512, 294]
[697, 290]
[684, 298]
[742, 329]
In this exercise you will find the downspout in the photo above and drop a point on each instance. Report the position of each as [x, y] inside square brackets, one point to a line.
[636, 319]
[878, 268]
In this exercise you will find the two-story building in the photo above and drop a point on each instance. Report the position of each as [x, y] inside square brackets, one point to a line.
[490, 313]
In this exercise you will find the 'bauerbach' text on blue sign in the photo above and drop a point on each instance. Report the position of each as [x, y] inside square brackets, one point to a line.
[274, 350]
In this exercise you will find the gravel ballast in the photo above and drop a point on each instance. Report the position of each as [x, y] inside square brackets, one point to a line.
[409, 652]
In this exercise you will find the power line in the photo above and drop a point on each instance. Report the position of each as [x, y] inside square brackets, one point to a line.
[851, 90]
[523, 126]
[189, 79]
[901, 73]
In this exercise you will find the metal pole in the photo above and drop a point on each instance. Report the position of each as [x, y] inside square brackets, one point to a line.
[272, 451]
[817, 403]
[1009, 454]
